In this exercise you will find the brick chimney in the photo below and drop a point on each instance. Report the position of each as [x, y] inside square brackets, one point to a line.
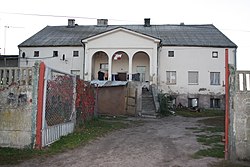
[147, 22]
[102, 22]
[71, 23]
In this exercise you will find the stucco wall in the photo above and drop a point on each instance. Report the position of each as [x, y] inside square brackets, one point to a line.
[193, 59]
[46, 55]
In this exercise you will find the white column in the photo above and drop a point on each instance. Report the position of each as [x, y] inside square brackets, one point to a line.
[110, 68]
[130, 67]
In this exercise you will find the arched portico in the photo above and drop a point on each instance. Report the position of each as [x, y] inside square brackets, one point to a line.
[100, 63]
[140, 66]
[120, 66]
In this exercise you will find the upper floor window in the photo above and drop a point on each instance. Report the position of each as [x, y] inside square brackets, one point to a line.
[170, 53]
[214, 78]
[193, 77]
[75, 53]
[214, 54]
[36, 53]
[55, 53]
[171, 77]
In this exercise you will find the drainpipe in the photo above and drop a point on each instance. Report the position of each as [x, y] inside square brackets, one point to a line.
[83, 70]
[157, 71]
[226, 103]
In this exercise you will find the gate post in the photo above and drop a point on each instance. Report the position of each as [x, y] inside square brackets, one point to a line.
[40, 106]
[226, 103]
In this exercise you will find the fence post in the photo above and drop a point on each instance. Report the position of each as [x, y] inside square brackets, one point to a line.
[226, 104]
[40, 106]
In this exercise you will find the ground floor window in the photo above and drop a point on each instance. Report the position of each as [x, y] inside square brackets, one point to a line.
[193, 102]
[171, 77]
[215, 103]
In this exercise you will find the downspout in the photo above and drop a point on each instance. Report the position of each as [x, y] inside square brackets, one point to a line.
[226, 103]
[235, 58]
[83, 70]
[157, 69]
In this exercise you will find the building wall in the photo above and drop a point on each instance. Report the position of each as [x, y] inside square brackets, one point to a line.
[46, 55]
[193, 59]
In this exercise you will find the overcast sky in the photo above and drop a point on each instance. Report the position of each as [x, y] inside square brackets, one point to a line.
[232, 17]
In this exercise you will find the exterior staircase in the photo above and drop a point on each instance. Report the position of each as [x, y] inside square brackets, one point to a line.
[148, 105]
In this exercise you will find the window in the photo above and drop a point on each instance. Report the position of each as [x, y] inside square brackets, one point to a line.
[193, 77]
[214, 54]
[55, 53]
[104, 66]
[170, 53]
[36, 53]
[171, 77]
[214, 103]
[75, 53]
[214, 78]
[193, 102]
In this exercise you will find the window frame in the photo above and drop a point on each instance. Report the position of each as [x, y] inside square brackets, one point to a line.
[105, 65]
[36, 53]
[55, 53]
[193, 83]
[215, 54]
[169, 81]
[75, 55]
[215, 103]
[213, 82]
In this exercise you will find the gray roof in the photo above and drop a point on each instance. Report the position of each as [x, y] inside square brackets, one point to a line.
[170, 35]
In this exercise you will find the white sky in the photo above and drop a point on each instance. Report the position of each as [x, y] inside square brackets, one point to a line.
[232, 17]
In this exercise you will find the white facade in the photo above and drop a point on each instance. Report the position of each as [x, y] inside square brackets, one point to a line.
[142, 53]
[70, 63]
[194, 59]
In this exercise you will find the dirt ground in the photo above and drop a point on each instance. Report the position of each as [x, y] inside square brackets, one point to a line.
[167, 142]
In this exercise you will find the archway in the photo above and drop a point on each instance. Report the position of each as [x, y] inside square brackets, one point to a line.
[120, 66]
[141, 67]
[100, 64]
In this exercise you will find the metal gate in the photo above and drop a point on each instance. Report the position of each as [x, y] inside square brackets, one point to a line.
[58, 116]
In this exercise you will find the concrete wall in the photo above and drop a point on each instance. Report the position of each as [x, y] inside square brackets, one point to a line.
[239, 131]
[16, 116]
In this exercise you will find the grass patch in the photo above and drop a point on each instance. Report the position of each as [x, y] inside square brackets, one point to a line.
[210, 137]
[203, 113]
[211, 152]
[87, 132]
[209, 140]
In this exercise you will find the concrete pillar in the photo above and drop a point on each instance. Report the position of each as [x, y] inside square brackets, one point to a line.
[110, 68]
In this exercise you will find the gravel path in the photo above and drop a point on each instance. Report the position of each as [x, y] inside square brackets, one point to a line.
[162, 142]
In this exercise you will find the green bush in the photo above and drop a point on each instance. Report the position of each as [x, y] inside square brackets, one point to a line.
[163, 100]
